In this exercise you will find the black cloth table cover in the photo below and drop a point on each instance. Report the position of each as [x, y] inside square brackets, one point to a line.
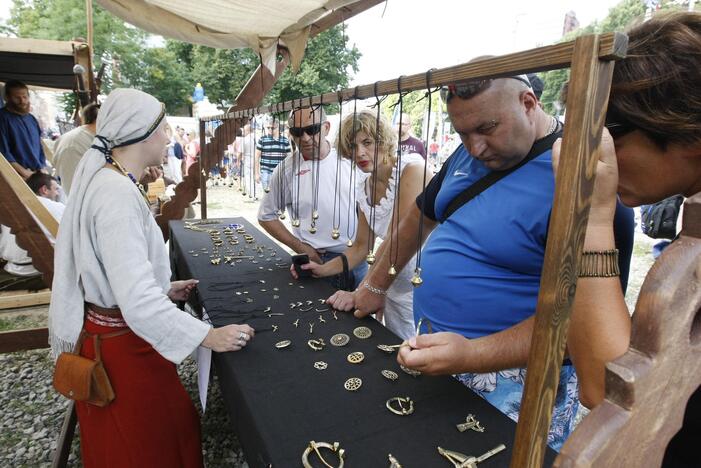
[278, 401]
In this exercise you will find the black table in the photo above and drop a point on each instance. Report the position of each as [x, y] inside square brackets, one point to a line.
[278, 401]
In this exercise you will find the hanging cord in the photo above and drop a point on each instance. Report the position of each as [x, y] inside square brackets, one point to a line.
[243, 153]
[296, 171]
[316, 169]
[373, 186]
[416, 279]
[281, 178]
[254, 144]
[272, 137]
[335, 225]
[394, 221]
[248, 187]
[351, 189]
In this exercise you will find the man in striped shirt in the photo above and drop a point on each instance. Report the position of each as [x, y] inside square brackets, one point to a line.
[271, 149]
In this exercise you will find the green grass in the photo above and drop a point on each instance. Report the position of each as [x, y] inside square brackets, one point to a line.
[21, 321]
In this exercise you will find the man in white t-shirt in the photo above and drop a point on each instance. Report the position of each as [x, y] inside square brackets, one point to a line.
[322, 214]
[18, 272]
[73, 145]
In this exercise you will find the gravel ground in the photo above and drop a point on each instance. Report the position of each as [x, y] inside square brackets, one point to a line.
[32, 412]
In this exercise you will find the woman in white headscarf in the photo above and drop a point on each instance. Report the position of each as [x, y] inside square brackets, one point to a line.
[112, 274]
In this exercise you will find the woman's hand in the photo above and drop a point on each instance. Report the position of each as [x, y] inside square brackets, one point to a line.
[180, 290]
[228, 338]
[603, 200]
[342, 300]
[316, 269]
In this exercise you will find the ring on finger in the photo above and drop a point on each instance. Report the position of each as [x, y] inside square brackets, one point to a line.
[243, 336]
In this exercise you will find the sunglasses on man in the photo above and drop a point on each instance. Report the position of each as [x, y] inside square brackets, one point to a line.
[310, 130]
[472, 88]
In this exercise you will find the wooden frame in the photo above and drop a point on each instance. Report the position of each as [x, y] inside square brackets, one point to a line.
[24, 298]
[16, 210]
[36, 46]
[591, 59]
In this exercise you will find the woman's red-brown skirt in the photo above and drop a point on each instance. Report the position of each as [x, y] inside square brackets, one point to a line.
[151, 422]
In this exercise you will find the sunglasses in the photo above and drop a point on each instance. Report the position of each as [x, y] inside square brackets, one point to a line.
[472, 88]
[310, 130]
[619, 128]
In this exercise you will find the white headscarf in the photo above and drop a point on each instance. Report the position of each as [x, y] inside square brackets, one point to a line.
[127, 116]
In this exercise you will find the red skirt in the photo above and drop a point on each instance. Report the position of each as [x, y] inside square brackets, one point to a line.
[151, 422]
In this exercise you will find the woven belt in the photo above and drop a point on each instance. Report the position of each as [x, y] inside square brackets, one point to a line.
[106, 317]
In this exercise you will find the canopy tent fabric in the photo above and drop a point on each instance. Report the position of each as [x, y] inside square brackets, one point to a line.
[36, 62]
[230, 24]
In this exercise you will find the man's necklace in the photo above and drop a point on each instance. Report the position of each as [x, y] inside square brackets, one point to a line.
[554, 124]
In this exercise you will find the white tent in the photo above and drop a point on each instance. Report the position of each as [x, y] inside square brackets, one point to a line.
[231, 24]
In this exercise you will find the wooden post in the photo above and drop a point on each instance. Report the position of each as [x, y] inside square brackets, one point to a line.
[588, 91]
[63, 447]
[88, 16]
[18, 201]
[204, 170]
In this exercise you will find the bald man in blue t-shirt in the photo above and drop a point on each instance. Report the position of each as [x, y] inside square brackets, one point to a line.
[482, 263]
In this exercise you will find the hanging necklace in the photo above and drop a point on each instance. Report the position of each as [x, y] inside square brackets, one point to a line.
[394, 220]
[281, 177]
[120, 168]
[416, 278]
[350, 232]
[316, 169]
[335, 225]
[296, 169]
[370, 259]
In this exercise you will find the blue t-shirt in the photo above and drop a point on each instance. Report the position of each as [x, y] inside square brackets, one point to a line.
[481, 267]
[20, 140]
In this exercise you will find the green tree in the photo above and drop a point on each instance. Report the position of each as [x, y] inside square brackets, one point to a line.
[222, 72]
[170, 72]
[120, 47]
[618, 19]
[327, 66]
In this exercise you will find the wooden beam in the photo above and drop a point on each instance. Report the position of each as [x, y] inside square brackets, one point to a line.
[260, 83]
[47, 151]
[24, 299]
[611, 46]
[36, 46]
[65, 439]
[27, 197]
[589, 90]
[17, 200]
[205, 171]
[23, 340]
[82, 54]
[341, 14]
